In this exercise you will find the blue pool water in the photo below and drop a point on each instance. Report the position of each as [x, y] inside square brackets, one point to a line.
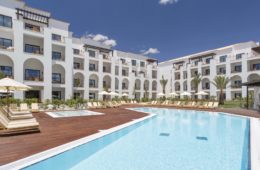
[172, 140]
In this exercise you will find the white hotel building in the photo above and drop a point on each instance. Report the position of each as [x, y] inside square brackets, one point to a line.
[41, 52]
[240, 62]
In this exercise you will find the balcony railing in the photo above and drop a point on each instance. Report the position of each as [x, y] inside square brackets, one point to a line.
[37, 79]
[235, 86]
[10, 48]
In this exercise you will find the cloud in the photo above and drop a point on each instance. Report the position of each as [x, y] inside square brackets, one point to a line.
[166, 2]
[102, 39]
[110, 42]
[150, 51]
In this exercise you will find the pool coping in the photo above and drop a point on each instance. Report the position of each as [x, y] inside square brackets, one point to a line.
[35, 158]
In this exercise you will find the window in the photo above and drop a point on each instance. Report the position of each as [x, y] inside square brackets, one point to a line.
[207, 71]
[256, 66]
[76, 65]
[56, 37]
[5, 43]
[56, 95]
[92, 83]
[56, 55]
[76, 51]
[32, 27]
[238, 68]
[32, 49]
[92, 96]
[222, 70]
[56, 78]
[7, 71]
[196, 62]
[124, 85]
[92, 53]
[77, 95]
[92, 67]
[32, 75]
[124, 72]
[239, 56]
[142, 64]
[123, 60]
[207, 60]
[133, 62]
[207, 85]
[237, 95]
[222, 59]
[6, 21]
[237, 82]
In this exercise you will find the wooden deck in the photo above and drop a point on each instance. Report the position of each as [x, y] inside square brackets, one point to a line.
[58, 131]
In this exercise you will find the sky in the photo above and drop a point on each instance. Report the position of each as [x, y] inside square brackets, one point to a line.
[162, 29]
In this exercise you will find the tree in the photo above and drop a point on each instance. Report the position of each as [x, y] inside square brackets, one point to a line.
[196, 81]
[163, 83]
[221, 83]
[2, 75]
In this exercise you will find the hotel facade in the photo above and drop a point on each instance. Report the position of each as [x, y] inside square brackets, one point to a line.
[239, 62]
[41, 52]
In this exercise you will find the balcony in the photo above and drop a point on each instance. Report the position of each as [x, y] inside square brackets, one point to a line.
[33, 45]
[33, 28]
[58, 38]
[6, 44]
[236, 86]
[33, 78]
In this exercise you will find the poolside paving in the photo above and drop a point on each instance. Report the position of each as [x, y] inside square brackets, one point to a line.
[58, 131]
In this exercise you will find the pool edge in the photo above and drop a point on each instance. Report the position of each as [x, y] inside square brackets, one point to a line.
[254, 143]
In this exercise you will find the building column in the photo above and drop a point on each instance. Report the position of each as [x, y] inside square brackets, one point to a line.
[228, 73]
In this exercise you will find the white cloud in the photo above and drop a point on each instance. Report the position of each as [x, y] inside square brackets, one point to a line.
[150, 51]
[110, 42]
[166, 2]
[102, 39]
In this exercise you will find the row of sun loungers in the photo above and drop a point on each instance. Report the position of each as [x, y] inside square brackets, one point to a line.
[190, 104]
[17, 120]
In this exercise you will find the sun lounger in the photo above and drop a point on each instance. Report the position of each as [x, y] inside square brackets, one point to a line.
[210, 105]
[91, 106]
[34, 108]
[191, 104]
[176, 104]
[214, 106]
[10, 127]
[24, 107]
[100, 105]
[96, 105]
[204, 105]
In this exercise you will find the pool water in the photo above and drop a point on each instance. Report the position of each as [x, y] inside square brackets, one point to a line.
[73, 113]
[172, 140]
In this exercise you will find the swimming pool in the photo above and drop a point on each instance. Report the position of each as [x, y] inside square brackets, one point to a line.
[73, 113]
[174, 139]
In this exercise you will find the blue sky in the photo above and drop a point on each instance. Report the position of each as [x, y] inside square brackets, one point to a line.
[174, 28]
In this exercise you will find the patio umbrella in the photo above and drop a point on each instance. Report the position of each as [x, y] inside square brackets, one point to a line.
[185, 94]
[174, 94]
[202, 93]
[104, 93]
[113, 94]
[161, 94]
[8, 85]
[125, 94]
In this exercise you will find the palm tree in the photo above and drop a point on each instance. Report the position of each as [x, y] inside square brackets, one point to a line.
[163, 83]
[1, 75]
[221, 83]
[196, 81]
